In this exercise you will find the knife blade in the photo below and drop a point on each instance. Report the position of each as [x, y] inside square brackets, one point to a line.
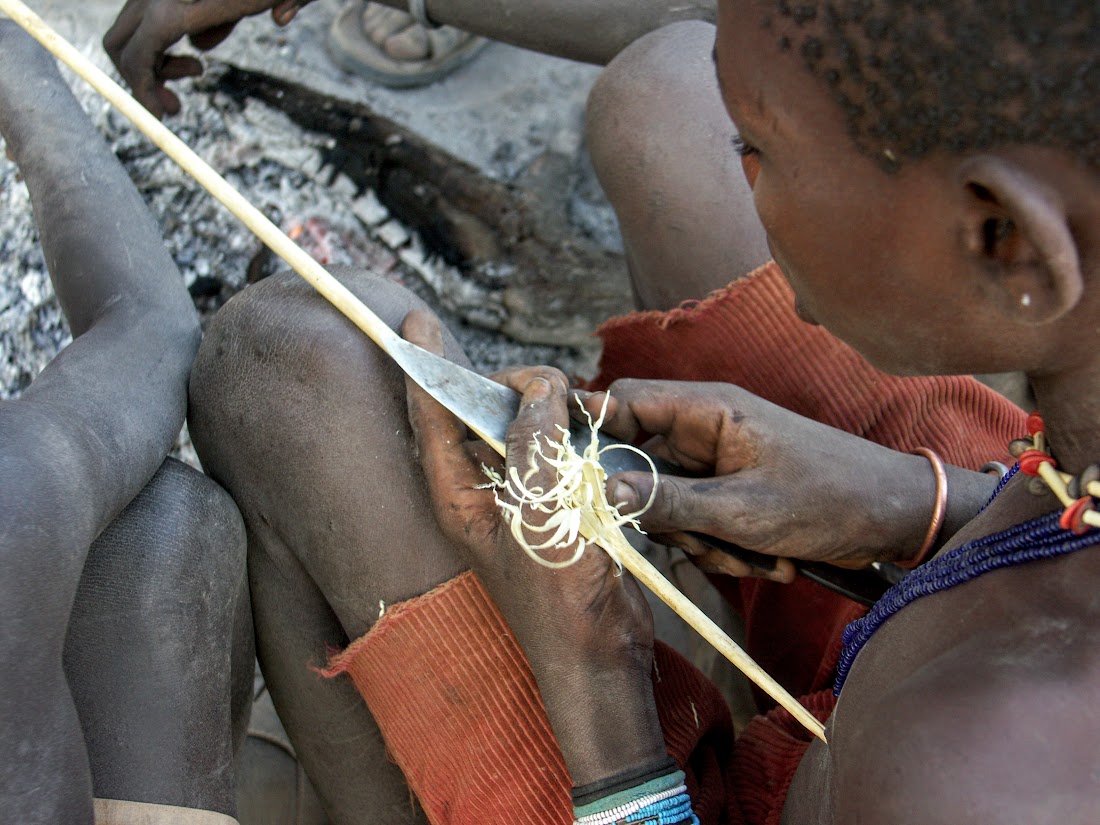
[488, 408]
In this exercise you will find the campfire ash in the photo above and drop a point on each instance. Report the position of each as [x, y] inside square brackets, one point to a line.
[280, 168]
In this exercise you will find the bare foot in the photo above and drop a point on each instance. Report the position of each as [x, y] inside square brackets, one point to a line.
[389, 47]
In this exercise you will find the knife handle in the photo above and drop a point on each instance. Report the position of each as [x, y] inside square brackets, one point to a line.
[864, 586]
[759, 561]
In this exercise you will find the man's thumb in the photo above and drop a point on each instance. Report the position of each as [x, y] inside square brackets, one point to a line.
[674, 501]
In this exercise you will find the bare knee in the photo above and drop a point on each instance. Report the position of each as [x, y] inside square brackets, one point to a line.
[159, 651]
[280, 340]
[638, 103]
[288, 396]
[304, 420]
[279, 330]
[193, 538]
[170, 567]
[660, 141]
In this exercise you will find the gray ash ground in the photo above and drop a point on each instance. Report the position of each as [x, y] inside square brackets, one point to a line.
[279, 168]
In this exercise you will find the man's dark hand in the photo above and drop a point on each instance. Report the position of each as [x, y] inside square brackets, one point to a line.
[144, 30]
[586, 629]
[765, 478]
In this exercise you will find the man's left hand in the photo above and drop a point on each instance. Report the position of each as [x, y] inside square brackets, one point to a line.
[586, 629]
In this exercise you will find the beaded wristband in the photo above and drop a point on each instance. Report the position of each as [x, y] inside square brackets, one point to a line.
[939, 510]
[624, 786]
[670, 808]
[662, 801]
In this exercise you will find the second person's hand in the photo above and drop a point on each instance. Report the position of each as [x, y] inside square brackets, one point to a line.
[144, 30]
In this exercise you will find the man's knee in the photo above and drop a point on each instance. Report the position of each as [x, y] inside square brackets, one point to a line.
[201, 525]
[281, 335]
[279, 355]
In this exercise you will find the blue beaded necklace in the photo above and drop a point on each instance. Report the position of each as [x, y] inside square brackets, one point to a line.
[1040, 538]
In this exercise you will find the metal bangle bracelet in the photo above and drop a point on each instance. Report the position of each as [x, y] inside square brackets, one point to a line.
[939, 510]
[419, 11]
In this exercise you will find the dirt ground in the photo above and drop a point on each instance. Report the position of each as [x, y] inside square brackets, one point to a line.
[498, 127]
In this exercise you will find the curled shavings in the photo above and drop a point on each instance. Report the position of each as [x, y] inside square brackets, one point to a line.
[578, 511]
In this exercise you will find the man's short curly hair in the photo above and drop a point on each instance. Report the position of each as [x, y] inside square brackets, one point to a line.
[919, 76]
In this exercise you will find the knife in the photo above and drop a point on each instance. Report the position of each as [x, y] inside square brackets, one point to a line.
[488, 408]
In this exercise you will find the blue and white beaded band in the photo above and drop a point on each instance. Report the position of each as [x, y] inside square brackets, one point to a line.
[669, 807]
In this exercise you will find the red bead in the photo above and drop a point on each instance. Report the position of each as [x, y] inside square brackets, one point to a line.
[1031, 459]
[1034, 424]
[1073, 517]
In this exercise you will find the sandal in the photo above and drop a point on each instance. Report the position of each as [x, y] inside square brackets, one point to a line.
[388, 47]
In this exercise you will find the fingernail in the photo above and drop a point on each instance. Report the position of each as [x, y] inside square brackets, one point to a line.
[622, 494]
[537, 388]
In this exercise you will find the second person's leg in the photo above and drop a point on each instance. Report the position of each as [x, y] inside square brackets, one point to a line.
[159, 653]
[661, 143]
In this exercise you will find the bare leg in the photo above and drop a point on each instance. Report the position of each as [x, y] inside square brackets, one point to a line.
[593, 31]
[44, 774]
[660, 142]
[303, 420]
[159, 651]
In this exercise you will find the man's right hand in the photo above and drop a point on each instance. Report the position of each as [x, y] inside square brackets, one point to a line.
[145, 29]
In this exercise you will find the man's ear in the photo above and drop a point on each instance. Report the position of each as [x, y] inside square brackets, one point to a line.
[1017, 230]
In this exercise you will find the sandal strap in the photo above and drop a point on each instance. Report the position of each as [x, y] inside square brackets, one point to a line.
[419, 11]
[445, 40]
